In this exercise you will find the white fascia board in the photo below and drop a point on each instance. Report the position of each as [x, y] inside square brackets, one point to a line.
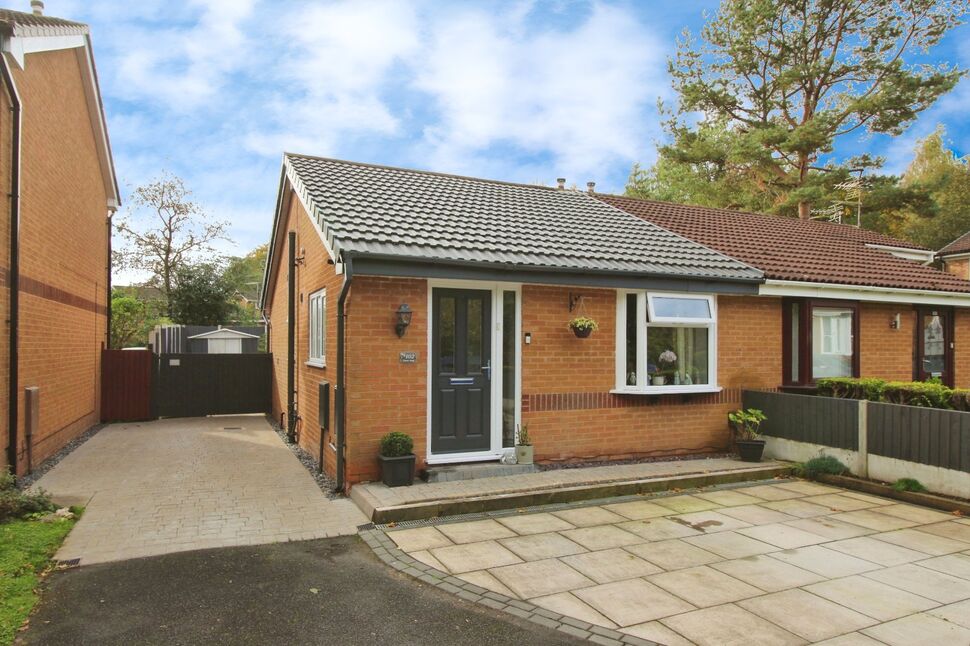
[924, 256]
[20, 46]
[304, 196]
[955, 256]
[862, 293]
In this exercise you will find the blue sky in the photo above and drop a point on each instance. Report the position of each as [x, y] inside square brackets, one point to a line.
[216, 90]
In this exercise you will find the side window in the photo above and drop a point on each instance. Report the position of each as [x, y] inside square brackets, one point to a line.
[318, 328]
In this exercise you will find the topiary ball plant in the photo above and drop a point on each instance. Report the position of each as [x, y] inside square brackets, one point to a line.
[396, 445]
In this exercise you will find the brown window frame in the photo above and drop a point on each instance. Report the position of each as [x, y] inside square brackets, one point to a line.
[806, 307]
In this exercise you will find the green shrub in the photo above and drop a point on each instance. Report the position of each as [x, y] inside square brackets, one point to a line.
[18, 504]
[396, 445]
[918, 393]
[928, 394]
[822, 464]
[909, 484]
[851, 388]
[960, 399]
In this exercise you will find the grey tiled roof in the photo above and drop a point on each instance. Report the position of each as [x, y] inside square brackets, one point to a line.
[365, 209]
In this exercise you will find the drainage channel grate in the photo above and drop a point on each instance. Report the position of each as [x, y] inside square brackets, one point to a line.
[68, 564]
[232, 428]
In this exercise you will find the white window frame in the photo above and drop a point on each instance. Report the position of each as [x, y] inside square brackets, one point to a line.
[679, 320]
[317, 327]
[644, 308]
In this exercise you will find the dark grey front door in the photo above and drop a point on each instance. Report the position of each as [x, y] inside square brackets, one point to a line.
[461, 370]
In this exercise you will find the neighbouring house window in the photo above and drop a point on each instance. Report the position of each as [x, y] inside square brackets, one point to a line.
[318, 328]
[821, 340]
[666, 342]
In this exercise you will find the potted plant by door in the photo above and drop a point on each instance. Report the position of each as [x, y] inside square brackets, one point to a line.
[745, 424]
[397, 459]
[583, 326]
[523, 446]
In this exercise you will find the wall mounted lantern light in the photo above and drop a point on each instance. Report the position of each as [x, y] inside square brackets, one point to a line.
[403, 319]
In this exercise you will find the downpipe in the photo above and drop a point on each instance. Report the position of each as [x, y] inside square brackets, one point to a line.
[13, 276]
[340, 399]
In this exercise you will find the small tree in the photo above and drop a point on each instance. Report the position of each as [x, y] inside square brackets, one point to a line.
[165, 232]
[202, 296]
[132, 320]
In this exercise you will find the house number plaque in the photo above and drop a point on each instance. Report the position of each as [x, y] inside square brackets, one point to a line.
[409, 357]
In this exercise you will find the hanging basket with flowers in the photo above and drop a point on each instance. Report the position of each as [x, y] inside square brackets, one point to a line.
[583, 326]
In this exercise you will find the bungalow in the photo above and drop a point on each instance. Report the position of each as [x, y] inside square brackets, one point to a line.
[439, 305]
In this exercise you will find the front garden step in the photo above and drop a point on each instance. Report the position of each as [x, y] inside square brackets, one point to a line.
[453, 472]
[430, 500]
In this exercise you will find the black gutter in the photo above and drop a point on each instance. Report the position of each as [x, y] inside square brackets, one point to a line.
[340, 399]
[291, 339]
[13, 275]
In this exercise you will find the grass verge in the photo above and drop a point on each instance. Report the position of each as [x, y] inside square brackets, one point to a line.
[26, 548]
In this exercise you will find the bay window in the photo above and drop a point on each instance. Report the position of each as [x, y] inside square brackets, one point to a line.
[820, 340]
[666, 343]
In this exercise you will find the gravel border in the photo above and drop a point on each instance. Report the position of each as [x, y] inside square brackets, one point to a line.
[28, 480]
[325, 482]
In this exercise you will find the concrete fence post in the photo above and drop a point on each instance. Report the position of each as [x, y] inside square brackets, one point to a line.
[863, 461]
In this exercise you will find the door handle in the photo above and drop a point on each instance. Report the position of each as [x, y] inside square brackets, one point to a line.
[487, 369]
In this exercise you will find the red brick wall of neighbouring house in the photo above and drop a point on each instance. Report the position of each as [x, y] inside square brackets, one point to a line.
[961, 348]
[885, 352]
[958, 267]
[63, 252]
[313, 274]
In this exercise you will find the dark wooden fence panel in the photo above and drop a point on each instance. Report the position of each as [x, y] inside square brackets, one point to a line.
[926, 435]
[806, 418]
[126, 385]
[193, 385]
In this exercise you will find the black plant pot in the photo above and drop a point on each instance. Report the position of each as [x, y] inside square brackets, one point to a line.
[397, 472]
[582, 332]
[751, 450]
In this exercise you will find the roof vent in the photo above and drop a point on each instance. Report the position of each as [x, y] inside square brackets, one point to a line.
[590, 187]
[37, 6]
[562, 183]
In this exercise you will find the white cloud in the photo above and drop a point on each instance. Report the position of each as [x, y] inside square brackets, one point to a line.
[337, 63]
[577, 94]
[157, 59]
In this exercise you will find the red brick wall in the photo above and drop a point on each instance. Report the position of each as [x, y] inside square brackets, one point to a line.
[63, 253]
[958, 267]
[313, 274]
[961, 352]
[884, 352]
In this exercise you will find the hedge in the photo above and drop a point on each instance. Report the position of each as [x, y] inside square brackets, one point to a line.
[927, 394]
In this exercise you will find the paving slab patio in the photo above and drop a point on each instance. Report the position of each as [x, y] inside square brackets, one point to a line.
[184, 484]
[790, 562]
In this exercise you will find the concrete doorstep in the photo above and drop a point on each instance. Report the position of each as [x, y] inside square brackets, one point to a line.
[382, 504]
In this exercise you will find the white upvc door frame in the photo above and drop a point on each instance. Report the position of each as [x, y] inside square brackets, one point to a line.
[495, 451]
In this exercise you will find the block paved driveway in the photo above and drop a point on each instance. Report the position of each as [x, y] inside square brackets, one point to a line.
[789, 562]
[183, 484]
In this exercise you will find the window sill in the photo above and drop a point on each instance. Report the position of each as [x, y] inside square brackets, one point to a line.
[666, 390]
[316, 364]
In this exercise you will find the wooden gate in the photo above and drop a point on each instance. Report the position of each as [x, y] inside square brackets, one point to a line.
[126, 385]
[193, 385]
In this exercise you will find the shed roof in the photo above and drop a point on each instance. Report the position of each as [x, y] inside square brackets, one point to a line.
[383, 211]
